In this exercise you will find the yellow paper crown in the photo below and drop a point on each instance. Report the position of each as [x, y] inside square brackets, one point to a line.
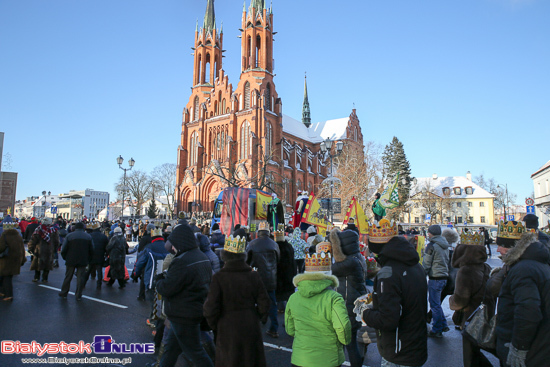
[510, 230]
[383, 231]
[472, 239]
[318, 263]
[236, 245]
[263, 226]
[323, 247]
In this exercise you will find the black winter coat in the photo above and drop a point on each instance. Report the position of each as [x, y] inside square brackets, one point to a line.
[350, 268]
[100, 242]
[400, 305]
[286, 270]
[186, 285]
[263, 253]
[523, 315]
[117, 250]
[77, 250]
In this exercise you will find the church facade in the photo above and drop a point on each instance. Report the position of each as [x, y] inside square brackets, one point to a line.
[240, 136]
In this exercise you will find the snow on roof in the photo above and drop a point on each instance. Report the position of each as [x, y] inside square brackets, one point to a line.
[542, 168]
[436, 186]
[318, 131]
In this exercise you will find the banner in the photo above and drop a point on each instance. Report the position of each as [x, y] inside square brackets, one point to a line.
[390, 197]
[356, 211]
[315, 215]
[235, 209]
[262, 202]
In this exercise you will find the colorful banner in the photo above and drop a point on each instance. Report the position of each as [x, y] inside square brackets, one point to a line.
[356, 211]
[315, 215]
[262, 202]
[390, 197]
[235, 209]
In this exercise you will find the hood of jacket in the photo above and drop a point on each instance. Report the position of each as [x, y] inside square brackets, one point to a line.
[400, 250]
[204, 242]
[344, 243]
[469, 255]
[440, 241]
[527, 248]
[311, 284]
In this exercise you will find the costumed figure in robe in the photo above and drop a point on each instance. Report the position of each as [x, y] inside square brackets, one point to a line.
[299, 208]
[275, 212]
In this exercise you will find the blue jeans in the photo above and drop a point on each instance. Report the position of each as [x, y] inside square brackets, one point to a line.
[435, 287]
[273, 312]
[184, 338]
[389, 364]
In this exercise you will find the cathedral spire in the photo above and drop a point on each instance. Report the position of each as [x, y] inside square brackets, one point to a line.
[209, 17]
[306, 116]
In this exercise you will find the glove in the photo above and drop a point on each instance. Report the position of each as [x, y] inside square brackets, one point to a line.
[160, 276]
[516, 357]
[361, 304]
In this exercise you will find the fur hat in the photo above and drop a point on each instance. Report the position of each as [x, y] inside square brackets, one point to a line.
[311, 229]
[47, 221]
[531, 221]
[435, 229]
[450, 235]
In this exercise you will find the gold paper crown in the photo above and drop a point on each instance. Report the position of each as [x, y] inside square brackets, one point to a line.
[510, 230]
[383, 231]
[472, 239]
[156, 232]
[281, 227]
[318, 263]
[263, 226]
[323, 247]
[279, 236]
[236, 245]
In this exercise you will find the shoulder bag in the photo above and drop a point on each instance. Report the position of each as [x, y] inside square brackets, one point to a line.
[480, 327]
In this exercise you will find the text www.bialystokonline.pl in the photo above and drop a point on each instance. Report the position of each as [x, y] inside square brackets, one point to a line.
[68, 361]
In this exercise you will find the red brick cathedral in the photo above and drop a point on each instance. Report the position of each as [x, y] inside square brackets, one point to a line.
[241, 136]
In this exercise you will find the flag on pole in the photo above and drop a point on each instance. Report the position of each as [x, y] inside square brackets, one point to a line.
[262, 203]
[356, 211]
[235, 209]
[315, 215]
[390, 197]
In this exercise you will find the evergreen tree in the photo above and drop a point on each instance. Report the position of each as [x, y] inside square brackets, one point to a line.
[395, 161]
[152, 211]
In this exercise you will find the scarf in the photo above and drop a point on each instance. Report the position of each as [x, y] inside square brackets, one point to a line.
[44, 231]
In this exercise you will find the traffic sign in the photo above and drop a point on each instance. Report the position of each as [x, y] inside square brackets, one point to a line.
[530, 209]
[511, 217]
[428, 217]
[53, 209]
[529, 202]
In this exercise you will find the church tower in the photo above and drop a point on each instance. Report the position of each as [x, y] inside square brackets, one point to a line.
[257, 37]
[306, 115]
[207, 50]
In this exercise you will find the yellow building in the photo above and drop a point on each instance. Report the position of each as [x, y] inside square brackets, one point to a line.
[454, 199]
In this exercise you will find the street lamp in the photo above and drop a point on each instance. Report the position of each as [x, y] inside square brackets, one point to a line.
[326, 147]
[131, 163]
[504, 202]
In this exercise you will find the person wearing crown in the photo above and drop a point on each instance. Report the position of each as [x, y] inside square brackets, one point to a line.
[399, 305]
[523, 289]
[236, 303]
[319, 337]
[470, 290]
[263, 253]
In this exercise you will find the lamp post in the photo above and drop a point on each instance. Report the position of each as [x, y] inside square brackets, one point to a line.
[504, 202]
[131, 163]
[326, 147]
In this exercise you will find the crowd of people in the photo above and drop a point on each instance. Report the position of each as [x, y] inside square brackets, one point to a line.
[210, 292]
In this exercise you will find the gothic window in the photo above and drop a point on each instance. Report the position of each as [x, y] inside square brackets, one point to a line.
[287, 191]
[268, 139]
[245, 140]
[194, 147]
[206, 70]
[258, 50]
[356, 133]
[222, 143]
[299, 185]
[246, 96]
[267, 97]
[309, 187]
[223, 106]
[196, 109]
[216, 107]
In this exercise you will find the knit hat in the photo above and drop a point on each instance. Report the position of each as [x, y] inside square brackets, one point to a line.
[183, 238]
[435, 229]
[168, 229]
[150, 227]
[531, 221]
[311, 229]
[117, 229]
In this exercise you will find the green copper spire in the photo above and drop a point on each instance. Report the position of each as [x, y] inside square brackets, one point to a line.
[209, 17]
[258, 4]
[197, 26]
[306, 115]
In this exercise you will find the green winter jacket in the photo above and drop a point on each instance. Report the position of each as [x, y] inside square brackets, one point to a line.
[317, 318]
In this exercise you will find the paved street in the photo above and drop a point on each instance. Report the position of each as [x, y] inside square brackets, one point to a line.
[39, 314]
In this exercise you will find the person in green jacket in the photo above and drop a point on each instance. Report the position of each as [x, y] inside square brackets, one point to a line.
[377, 209]
[317, 318]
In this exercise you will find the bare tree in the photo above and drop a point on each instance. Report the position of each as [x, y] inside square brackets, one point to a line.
[427, 200]
[503, 197]
[138, 188]
[164, 179]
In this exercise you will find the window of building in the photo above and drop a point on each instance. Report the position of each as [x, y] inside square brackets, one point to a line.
[470, 219]
[470, 204]
[459, 205]
[268, 139]
[194, 147]
[287, 191]
[246, 96]
[245, 140]
[469, 190]
[196, 114]
[267, 97]
[482, 219]
[481, 203]
[416, 219]
[446, 191]
[459, 219]
[457, 190]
